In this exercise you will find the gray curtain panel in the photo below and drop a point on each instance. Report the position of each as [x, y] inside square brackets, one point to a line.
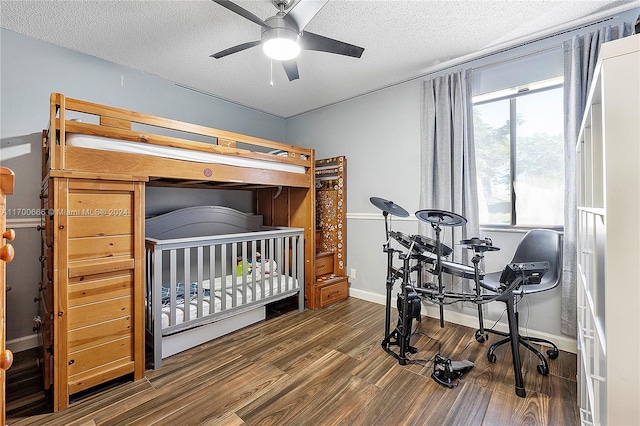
[580, 57]
[447, 157]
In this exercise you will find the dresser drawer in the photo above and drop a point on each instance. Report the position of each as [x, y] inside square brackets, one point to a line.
[331, 290]
[105, 204]
[100, 355]
[83, 290]
[93, 313]
[99, 226]
[100, 247]
[100, 333]
[324, 263]
[98, 375]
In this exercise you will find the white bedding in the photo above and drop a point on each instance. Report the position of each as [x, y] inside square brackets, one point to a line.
[117, 145]
[281, 283]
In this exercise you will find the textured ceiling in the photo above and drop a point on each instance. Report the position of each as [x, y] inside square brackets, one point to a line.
[402, 40]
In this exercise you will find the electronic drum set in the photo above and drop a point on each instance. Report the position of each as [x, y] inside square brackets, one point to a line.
[426, 254]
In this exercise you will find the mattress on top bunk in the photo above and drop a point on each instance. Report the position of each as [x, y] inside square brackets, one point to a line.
[117, 145]
[281, 283]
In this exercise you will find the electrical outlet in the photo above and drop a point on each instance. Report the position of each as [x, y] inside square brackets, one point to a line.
[353, 273]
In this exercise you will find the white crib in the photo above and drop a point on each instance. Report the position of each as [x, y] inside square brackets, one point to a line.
[212, 270]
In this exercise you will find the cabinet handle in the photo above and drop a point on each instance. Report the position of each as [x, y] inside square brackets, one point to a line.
[8, 288]
[43, 196]
[40, 228]
[7, 253]
[9, 234]
[6, 359]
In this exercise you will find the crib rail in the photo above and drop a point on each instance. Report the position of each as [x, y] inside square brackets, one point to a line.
[195, 281]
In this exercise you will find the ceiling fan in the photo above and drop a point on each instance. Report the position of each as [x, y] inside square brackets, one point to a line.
[283, 36]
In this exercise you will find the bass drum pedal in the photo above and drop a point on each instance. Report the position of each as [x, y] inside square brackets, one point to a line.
[447, 373]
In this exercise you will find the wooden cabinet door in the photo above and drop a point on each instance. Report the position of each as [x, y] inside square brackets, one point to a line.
[99, 283]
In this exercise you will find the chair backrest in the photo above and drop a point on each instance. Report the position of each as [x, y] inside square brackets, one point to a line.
[540, 245]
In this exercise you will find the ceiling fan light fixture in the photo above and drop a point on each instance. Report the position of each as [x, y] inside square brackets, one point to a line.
[280, 44]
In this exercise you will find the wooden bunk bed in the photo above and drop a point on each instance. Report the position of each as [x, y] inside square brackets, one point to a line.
[97, 161]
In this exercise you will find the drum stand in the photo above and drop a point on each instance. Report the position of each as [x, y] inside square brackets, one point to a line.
[408, 309]
[401, 335]
[481, 334]
[437, 218]
[436, 228]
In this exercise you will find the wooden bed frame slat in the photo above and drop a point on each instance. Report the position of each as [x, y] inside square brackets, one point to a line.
[168, 141]
[125, 115]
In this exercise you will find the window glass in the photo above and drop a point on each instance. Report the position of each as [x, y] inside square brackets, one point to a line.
[539, 177]
[521, 161]
[493, 152]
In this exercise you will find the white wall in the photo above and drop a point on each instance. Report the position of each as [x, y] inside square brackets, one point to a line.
[31, 70]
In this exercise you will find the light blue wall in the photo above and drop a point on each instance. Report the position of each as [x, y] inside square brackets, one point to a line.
[30, 71]
[379, 133]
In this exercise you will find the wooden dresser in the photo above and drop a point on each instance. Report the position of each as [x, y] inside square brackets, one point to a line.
[91, 302]
[7, 183]
[331, 284]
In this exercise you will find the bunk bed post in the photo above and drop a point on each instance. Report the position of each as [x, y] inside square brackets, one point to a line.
[58, 157]
[53, 131]
[138, 290]
[60, 267]
[302, 214]
[45, 168]
[300, 272]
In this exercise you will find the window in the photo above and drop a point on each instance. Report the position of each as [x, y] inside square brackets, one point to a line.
[519, 145]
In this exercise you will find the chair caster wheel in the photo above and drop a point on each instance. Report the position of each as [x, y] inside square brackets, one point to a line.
[543, 370]
[552, 354]
[491, 358]
[480, 337]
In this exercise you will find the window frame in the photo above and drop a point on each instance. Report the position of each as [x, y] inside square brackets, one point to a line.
[512, 95]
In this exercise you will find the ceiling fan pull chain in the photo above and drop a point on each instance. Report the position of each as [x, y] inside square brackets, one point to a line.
[271, 81]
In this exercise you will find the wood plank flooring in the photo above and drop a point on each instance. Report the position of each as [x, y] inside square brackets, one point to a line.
[321, 367]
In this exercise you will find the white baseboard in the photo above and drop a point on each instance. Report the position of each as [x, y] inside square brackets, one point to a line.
[22, 343]
[564, 343]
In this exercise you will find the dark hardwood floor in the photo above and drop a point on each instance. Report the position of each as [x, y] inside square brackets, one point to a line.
[321, 367]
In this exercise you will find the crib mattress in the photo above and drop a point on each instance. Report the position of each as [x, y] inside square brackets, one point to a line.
[243, 295]
[117, 145]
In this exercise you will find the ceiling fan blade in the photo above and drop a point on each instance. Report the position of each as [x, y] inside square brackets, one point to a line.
[235, 49]
[311, 41]
[303, 12]
[291, 68]
[242, 12]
